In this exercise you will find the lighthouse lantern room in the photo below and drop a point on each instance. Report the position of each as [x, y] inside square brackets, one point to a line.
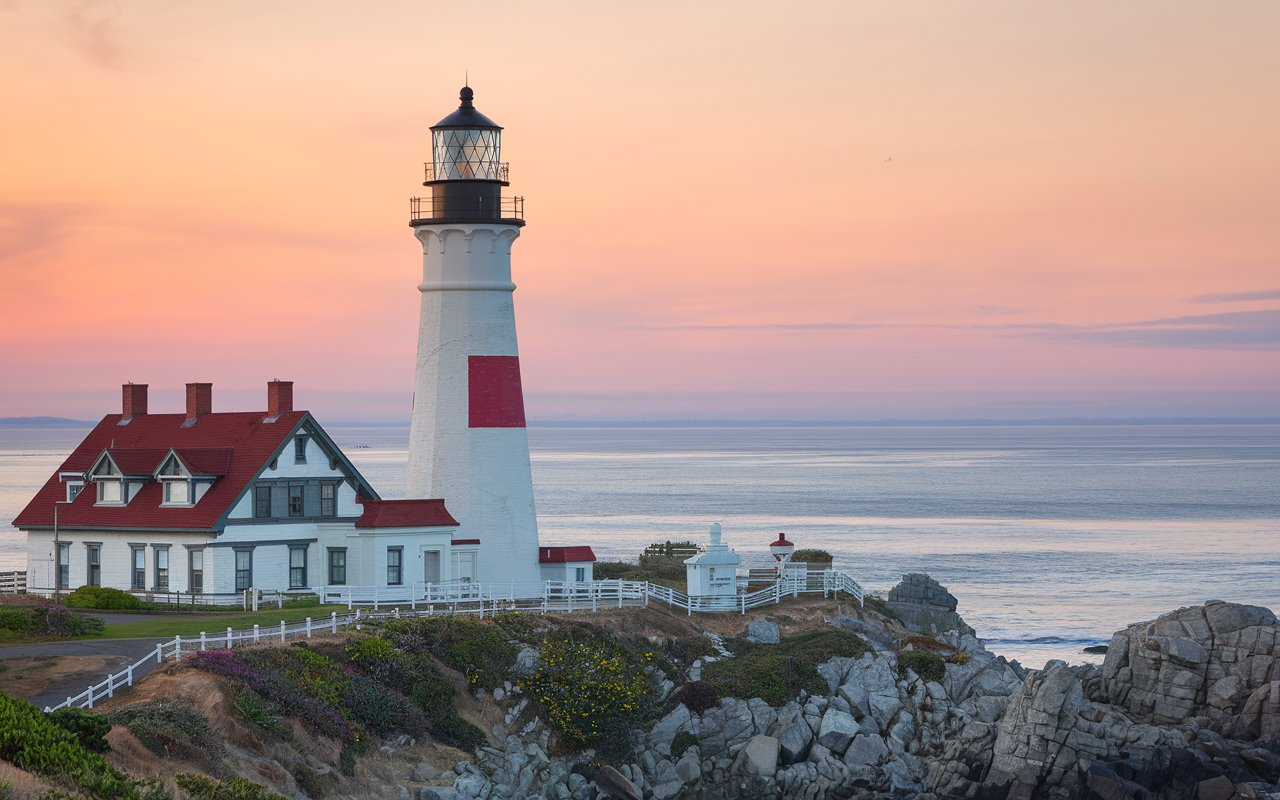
[468, 442]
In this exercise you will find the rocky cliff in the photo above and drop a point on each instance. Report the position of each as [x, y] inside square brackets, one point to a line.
[1186, 706]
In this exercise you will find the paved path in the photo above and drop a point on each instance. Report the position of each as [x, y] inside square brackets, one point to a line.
[117, 653]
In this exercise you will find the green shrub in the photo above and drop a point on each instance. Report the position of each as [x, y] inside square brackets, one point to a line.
[928, 665]
[613, 570]
[90, 729]
[681, 742]
[770, 674]
[103, 598]
[200, 787]
[817, 647]
[690, 648]
[479, 650]
[254, 709]
[811, 556]
[347, 760]
[19, 619]
[456, 731]
[31, 741]
[171, 730]
[588, 687]
[521, 627]
[61, 621]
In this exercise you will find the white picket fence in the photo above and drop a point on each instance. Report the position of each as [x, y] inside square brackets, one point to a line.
[467, 598]
[13, 582]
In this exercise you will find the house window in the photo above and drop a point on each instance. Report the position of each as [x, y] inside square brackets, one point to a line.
[93, 574]
[297, 566]
[262, 501]
[195, 581]
[328, 499]
[162, 568]
[64, 565]
[244, 569]
[177, 492]
[138, 556]
[73, 489]
[337, 566]
[300, 450]
[109, 491]
[580, 574]
[295, 499]
[395, 569]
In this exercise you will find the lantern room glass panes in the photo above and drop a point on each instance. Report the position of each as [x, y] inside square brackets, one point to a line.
[467, 153]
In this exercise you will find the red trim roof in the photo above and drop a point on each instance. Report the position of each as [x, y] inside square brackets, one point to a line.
[404, 514]
[465, 541]
[565, 555]
[136, 461]
[782, 541]
[205, 461]
[249, 444]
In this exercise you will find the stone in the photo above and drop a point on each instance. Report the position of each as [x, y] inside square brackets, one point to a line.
[668, 790]
[1219, 788]
[616, 785]
[760, 756]
[424, 772]
[866, 751]
[689, 769]
[794, 741]
[764, 631]
[526, 662]
[836, 731]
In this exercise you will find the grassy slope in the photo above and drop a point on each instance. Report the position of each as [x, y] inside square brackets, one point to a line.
[193, 624]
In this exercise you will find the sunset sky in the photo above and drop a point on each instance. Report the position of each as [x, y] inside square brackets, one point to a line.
[736, 210]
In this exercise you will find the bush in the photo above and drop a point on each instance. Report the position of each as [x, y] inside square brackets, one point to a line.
[811, 556]
[19, 619]
[103, 598]
[199, 787]
[479, 650]
[171, 730]
[456, 731]
[928, 665]
[90, 729]
[253, 709]
[61, 621]
[690, 649]
[285, 696]
[681, 742]
[769, 674]
[588, 687]
[817, 647]
[698, 696]
[613, 570]
[31, 741]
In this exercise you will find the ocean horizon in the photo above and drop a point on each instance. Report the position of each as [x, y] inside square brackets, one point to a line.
[1052, 537]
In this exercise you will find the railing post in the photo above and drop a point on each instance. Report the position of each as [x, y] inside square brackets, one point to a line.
[202, 641]
[129, 674]
[229, 638]
[375, 598]
[333, 616]
[255, 632]
[159, 655]
[177, 648]
[90, 703]
[308, 627]
[282, 630]
[349, 600]
[111, 686]
[413, 597]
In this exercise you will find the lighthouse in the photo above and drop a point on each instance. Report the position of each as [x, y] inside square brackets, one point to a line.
[468, 443]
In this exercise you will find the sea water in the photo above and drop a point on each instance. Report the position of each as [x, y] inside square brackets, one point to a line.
[1051, 537]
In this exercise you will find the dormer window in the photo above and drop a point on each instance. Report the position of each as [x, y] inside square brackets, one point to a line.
[73, 489]
[176, 481]
[300, 449]
[109, 482]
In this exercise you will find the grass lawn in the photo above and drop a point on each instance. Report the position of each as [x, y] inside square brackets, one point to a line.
[192, 624]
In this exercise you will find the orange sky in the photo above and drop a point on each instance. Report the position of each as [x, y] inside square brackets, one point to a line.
[736, 210]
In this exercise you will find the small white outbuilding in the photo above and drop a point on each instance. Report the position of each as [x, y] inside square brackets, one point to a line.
[714, 571]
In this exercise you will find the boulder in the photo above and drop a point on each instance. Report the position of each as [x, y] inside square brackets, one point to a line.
[424, 772]
[794, 742]
[616, 785]
[925, 606]
[836, 731]
[526, 662]
[759, 756]
[764, 631]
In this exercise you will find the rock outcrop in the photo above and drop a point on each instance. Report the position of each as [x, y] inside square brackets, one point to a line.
[925, 606]
[1186, 707]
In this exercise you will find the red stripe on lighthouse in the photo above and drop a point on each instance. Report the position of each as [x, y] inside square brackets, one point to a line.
[493, 389]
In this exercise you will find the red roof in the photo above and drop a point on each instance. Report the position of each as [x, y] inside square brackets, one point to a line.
[404, 514]
[565, 555]
[246, 441]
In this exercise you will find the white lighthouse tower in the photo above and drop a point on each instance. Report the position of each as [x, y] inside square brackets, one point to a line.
[468, 442]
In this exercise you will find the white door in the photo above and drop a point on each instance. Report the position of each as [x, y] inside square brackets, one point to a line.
[464, 567]
[431, 566]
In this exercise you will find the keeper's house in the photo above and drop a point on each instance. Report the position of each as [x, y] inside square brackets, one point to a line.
[216, 503]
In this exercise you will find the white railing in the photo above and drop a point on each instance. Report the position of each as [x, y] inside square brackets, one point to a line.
[426, 600]
[14, 582]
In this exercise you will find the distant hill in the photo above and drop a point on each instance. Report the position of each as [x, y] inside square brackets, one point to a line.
[43, 422]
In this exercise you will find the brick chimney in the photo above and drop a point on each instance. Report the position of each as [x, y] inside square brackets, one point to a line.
[135, 400]
[279, 398]
[199, 401]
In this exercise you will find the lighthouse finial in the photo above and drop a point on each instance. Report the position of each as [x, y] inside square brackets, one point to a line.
[466, 95]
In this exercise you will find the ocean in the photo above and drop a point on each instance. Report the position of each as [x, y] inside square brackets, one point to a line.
[1051, 537]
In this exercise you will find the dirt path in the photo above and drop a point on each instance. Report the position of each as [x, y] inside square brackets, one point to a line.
[49, 672]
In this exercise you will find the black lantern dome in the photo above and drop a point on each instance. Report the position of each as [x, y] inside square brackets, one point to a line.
[466, 172]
